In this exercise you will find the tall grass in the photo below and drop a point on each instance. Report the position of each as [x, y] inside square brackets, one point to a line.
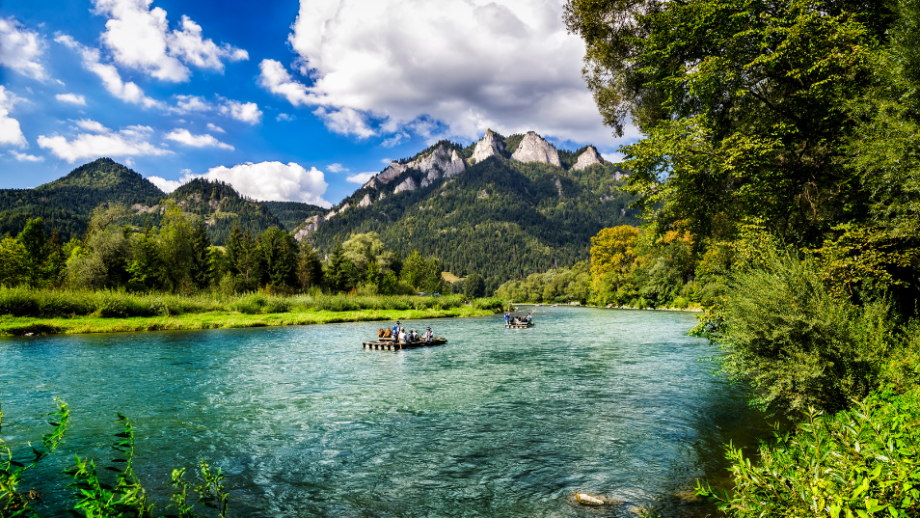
[26, 302]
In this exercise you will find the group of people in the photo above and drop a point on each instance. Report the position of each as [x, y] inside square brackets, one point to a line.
[509, 319]
[401, 336]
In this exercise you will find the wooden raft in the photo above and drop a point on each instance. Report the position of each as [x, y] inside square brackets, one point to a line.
[519, 326]
[390, 345]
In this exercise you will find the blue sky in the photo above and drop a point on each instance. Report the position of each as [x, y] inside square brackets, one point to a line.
[283, 99]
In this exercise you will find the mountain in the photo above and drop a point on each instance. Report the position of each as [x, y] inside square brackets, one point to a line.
[502, 207]
[222, 208]
[65, 204]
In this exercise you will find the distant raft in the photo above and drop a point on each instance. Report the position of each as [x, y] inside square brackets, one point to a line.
[521, 325]
[390, 345]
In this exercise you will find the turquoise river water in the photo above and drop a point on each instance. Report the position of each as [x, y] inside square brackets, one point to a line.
[305, 422]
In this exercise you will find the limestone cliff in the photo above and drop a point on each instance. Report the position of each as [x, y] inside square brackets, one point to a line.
[534, 149]
[392, 171]
[488, 146]
[407, 185]
[588, 158]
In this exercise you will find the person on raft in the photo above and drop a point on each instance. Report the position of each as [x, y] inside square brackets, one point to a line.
[507, 317]
[429, 336]
[396, 331]
[401, 339]
[529, 317]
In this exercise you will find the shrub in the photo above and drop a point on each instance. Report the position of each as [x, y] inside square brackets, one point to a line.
[493, 303]
[861, 462]
[798, 346]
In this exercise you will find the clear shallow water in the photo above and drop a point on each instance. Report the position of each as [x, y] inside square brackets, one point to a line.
[304, 422]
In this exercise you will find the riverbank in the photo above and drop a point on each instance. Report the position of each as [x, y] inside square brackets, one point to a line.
[28, 326]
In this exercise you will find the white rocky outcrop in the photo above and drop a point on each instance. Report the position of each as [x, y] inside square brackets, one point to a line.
[387, 175]
[311, 224]
[488, 146]
[534, 149]
[365, 201]
[588, 158]
[407, 185]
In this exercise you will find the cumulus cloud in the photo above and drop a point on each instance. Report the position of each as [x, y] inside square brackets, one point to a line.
[20, 49]
[23, 157]
[268, 181]
[505, 64]
[139, 37]
[10, 132]
[71, 99]
[111, 79]
[360, 178]
[165, 185]
[192, 103]
[246, 112]
[91, 125]
[218, 129]
[131, 141]
[395, 140]
[276, 79]
[183, 136]
[345, 121]
[284, 117]
[336, 168]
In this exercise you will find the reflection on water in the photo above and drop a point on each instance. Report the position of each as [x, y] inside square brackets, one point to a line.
[498, 423]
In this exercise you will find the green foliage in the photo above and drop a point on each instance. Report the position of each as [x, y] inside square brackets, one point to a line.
[521, 224]
[797, 344]
[491, 303]
[65, 204]
[858, 463]
[12, 502]
[559, 285]
[292, 213]
[474, 287]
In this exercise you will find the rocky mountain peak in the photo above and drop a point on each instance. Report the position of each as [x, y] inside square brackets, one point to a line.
[488, 146]
[588, 158]
[534, 149]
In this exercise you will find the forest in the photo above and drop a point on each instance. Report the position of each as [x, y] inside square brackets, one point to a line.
[780, 165]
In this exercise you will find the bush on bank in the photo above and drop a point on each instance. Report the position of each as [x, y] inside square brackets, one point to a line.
[859, 463]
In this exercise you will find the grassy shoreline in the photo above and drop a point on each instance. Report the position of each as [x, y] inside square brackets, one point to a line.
[24, 326]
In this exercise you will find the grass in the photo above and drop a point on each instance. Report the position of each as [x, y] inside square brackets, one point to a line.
[19, 326]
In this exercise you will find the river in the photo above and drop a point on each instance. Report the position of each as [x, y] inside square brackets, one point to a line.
[304, 422]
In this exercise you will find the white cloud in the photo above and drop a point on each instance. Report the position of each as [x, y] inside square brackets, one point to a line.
[467, 66]
[386, 161]
[111, 79]
[129, 162]
[20, 49]
[273, 181]
[192, 103]
[395, 139]
[276, 79]
[189, 45]
[10, 132]
[284, 117]
[91, 125]
[246, 112]
[360, 178]
[183, 136]
[165, 185]
[337, 168]
[345, 121]
[71, 99]
[23, 157]
[613, 158]
[218, 129]
[139, 38]
[131, 141]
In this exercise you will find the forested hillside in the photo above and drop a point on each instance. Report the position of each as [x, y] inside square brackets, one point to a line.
[292, 213]
[218, 204]
[65, 204]
[500, 218]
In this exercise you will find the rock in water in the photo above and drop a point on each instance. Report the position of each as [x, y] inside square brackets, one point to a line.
[586, 499]
[488, 146]
[588, 158]
[534, 149]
